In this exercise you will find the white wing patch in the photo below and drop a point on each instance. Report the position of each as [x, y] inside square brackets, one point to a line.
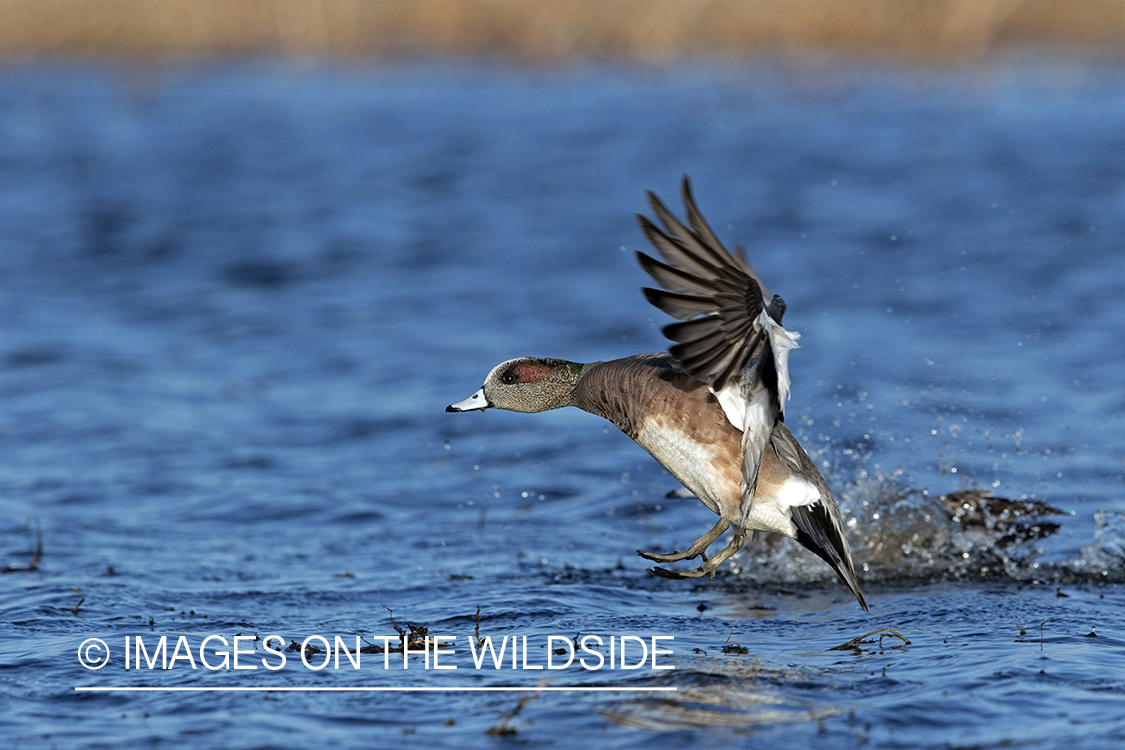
[748, 406]
[782, 342]
[738, 410]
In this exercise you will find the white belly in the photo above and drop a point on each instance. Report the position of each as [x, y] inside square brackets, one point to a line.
[690, 462]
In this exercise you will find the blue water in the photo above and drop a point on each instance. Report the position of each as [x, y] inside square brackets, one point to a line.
[235, 300]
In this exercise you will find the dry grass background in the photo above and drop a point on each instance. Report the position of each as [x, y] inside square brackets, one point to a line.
[545, 30]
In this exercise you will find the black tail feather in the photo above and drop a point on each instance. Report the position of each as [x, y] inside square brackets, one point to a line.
[817, 533]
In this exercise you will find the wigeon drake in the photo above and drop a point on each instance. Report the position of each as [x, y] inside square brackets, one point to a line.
[712, 410]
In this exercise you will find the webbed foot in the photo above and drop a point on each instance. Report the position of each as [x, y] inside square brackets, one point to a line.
[710, 564]
[697, 548]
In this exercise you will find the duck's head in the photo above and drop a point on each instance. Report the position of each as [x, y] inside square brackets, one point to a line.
[527, 384]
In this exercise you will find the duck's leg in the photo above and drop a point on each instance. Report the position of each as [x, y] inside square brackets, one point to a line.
[697, 548]
[709, 566]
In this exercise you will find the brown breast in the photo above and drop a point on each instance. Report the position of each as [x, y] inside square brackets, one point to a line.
[676, 419]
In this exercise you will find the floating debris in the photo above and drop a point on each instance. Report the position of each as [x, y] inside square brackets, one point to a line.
[734, 648]
[854, 643]
[504, 728]
[1041, 631]
[32, 566]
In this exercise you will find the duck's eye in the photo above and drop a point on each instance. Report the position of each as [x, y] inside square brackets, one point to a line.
[508, 378]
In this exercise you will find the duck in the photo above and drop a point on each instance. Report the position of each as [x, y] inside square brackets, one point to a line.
[711, 409]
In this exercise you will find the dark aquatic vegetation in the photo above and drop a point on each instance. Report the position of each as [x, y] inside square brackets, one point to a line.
[713, 412]
[36, 558]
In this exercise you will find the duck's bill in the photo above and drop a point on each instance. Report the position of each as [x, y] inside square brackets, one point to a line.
[475, 401]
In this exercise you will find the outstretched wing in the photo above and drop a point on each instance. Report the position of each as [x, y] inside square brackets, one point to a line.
[731, 336]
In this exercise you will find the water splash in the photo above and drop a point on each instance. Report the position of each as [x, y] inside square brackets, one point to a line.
[1104, 558]
[899, 533]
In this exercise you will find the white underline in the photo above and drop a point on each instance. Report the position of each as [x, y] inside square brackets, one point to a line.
[370, 689]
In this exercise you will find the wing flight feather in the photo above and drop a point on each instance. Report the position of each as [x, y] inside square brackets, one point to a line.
[730, 335]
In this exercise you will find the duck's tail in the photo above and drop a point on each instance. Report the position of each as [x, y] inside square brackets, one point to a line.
[819, 526]
[819, 532]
